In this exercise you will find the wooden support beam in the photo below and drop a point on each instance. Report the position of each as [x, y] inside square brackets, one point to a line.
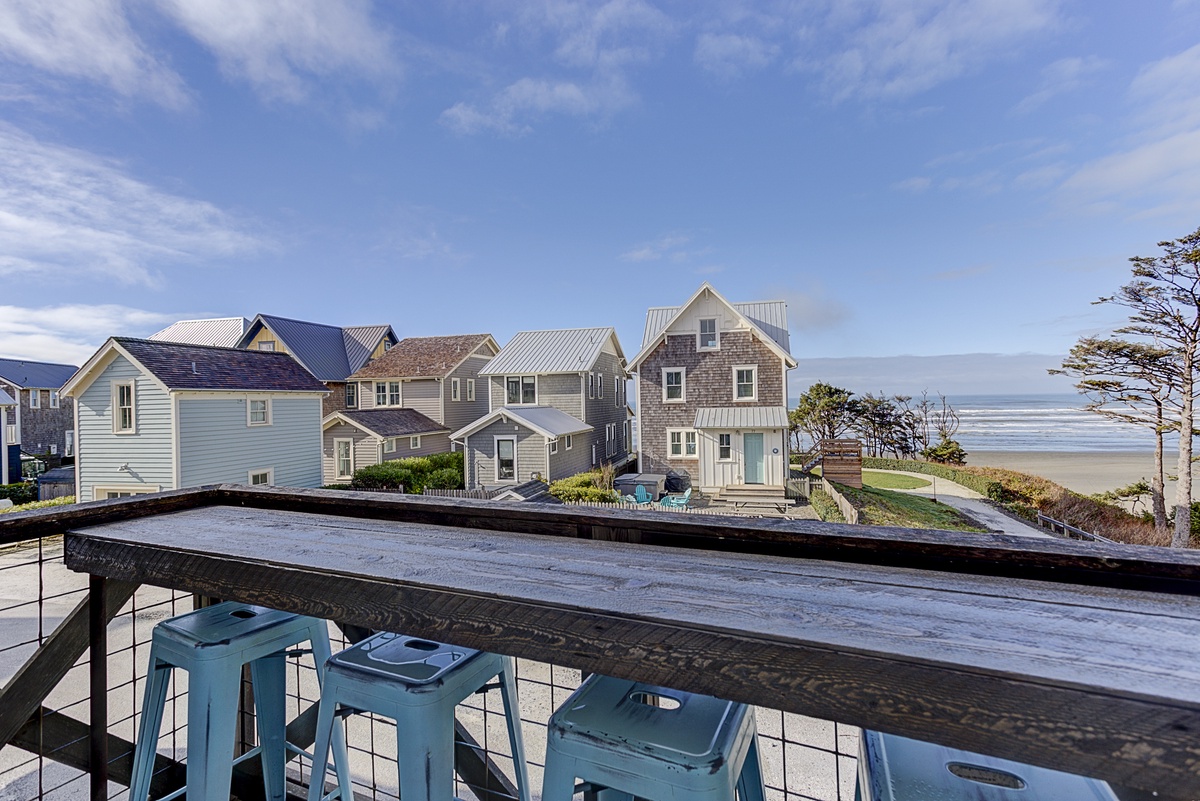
[25, 692]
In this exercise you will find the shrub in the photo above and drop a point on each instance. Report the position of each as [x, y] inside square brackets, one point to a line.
[583, 487]
[825, 507]
[29, 507]
[20, 494]
[338, 486]
[946, 452]
[446, 478]
[414, 473]
[446, 461]
[385, 475]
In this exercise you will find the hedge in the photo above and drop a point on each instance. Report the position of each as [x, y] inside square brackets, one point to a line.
[582, 487]
[29, 507]
[415, 473]
[20, 494]
[984, 486]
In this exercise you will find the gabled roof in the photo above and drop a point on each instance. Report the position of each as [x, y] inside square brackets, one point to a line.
[568, 350]
[385, 423]
[532, 491]
[222, 332]
[35, 375]
[199, 367]
[425, 357]
[545, 420]
[766, 319]
[328, 352]
[6, 399]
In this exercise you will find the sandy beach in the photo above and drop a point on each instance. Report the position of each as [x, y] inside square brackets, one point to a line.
[1086, 473]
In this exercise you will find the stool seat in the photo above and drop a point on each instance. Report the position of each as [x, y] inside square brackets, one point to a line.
[651, 742]
[417, 683]
[213, 644]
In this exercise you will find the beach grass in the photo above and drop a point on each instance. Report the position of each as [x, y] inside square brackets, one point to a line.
[881, 507]
[878, 480]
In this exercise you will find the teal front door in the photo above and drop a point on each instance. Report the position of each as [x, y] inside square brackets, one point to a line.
[752, 448]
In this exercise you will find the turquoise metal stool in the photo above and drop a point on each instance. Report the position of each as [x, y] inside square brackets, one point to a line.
[212, 645]
[625, 739]
[892, 768]
[417, 683]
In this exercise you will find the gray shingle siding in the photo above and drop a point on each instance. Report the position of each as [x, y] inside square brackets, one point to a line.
[423, 395]
[100, 452]
[366, 450]
[481, 453]
[216, 445]
[602, 411]
[569, 462]
[463, 412]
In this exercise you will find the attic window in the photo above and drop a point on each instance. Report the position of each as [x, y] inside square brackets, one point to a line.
[267, 344]
[708, 338]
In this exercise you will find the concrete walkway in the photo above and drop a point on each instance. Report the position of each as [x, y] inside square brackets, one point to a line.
[970, 503]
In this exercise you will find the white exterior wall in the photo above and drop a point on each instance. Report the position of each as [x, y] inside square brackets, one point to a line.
[716, 474]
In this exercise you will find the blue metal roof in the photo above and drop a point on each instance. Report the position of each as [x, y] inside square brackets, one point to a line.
[35, 375]
[328, 352]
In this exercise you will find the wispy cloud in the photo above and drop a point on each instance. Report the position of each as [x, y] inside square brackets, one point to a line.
[282, 46]
[90, 40]
[1063, 76]
[70, 334]
[668, 246]
[915, 184]
[512, 111]
[66, 212]
[731, 55]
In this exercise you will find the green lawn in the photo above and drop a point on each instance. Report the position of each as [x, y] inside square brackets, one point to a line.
[879, 507]
[873, 478]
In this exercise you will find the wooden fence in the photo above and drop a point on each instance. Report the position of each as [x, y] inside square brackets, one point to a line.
[654, 507]
[844, 506]
[1067, 530]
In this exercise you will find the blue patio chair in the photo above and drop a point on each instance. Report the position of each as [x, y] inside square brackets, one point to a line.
[677, 501]
[642, 495]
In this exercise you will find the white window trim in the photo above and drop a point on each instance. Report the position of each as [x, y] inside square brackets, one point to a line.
[455, 390]
[99, 492]
[570, 441]
[470, 389]
[682, 384]
[351, 387]
[267, 345]
[592, 385]
[336, 461]
[399, 394]
[69, 444]
[730, 457]
[250, 405]
[54, 399]
[379, 384]
[600, 385]
[521, 390]
[35, 399]
[717, 331]
[270, 471]
[414, 443]
[553, 447]
[734, 374]
[389, 445]
[116, 412]
[496, 460]
[683, 443]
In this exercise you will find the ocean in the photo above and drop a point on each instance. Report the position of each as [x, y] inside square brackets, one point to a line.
[1043, 423]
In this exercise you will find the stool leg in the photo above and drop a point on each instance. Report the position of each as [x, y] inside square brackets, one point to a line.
[158, 678]
[750, 782]
[212, 721]
[558, 780]
[325, 725]
[270, 692]
[341, 759]
[427, 758]
[512, 714]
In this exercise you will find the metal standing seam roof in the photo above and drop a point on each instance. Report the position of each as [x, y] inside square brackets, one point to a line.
[768, 315]
[6, 399]
[221, 332]
[741, 417]
[393, 422]
[568, 350]
[360, 341]
[35, 375]
[200, 367]
[547, 418]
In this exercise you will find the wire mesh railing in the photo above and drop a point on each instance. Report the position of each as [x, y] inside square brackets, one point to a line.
[804, 759]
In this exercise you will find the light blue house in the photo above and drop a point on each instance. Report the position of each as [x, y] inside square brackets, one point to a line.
[153, 416]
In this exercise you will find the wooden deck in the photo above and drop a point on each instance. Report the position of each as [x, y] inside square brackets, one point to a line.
[1083, 657]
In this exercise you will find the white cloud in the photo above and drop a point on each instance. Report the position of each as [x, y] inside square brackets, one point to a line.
[1064, 75]
[510, 111]
[70, 334]
[67, 212]
[667, 246]
[731, 55]
[916, 184]
[1169, 91]
[603, 35]
[278, 46]
[89, 39]
[896, 50]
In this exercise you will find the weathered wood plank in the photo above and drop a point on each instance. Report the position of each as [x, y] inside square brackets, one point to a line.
[43, 671]
[1076, 678]
[21, 526]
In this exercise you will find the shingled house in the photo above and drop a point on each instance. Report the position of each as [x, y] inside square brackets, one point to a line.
[154, 416]
[406, 402]
[40, 422]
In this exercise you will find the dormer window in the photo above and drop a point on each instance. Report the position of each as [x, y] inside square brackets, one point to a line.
[708, 339]
[267, 344]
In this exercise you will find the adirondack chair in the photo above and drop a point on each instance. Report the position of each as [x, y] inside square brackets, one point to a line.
[642, 495]
[677, 501]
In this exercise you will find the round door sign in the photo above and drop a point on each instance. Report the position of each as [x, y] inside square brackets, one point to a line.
[775, 450]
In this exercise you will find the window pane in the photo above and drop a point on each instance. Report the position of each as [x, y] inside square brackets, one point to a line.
[675, 385]
[513, 390]
[676, 443]
[351, 395]
[708, 333]
[394, 393]
[528, 389]
[690, 442]
[506, 464]
[745, 383]
[381, 394]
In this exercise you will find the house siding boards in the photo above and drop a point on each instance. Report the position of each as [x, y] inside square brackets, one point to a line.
[569, 462]
[366, 450]
[481, 453]
[148, 452]
[216, 444]
[424, 396]
[463, 412]
[603, 411]
[708, 382]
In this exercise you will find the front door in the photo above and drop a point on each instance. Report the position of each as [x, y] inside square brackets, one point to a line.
[752, 447]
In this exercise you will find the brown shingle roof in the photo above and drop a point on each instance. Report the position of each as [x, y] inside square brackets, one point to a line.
[422, 356]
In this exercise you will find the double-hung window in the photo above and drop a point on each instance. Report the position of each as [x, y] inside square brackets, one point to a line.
[470, 389]
[521, 389]
[708, 338]
[681, 443]
[69, 450]
[454, 389]
[352, 395]
[673, 384]
[591, 385]
[54, 399]
[414, 443]
[725, 447]
[380, 393]
[600, 385]
[610, 439]
[389, 445]
[124, 411]
[745, 382]
[393, 393]
[258, 412]
[35, 399]
[343, 458]
[506, 459]
[553, 447]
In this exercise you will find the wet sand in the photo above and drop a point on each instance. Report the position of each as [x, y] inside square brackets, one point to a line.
[1085, 473]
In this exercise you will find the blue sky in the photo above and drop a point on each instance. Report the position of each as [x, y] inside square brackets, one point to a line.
[925, 178]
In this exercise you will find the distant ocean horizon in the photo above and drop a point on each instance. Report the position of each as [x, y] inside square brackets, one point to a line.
[1042, 422]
